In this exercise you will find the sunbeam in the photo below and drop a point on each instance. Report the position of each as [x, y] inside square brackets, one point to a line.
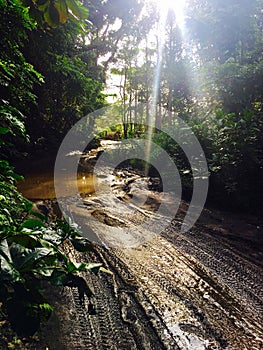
[164, 6]
[177, 6]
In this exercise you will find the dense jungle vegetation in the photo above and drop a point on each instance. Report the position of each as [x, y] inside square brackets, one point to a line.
[54, 61]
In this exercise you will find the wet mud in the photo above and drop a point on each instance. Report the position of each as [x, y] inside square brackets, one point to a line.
[201, 289]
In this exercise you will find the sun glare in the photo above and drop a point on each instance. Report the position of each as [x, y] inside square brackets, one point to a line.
[175, 5]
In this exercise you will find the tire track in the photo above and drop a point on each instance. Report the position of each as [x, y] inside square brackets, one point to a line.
[190, 291]
[121, 321]
[243, 277]
[201, 296]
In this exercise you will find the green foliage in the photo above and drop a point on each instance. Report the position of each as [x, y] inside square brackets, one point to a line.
[31, 251]
[17, 76]
[12, 121]
[233, 146]
[168, 143]
[51, 13]
[69, 92]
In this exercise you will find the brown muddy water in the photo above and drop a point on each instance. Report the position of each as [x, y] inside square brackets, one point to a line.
[38, 181]
[40, 185]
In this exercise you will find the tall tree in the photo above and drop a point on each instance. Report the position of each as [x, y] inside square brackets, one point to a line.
[226, 38]
[110, 21]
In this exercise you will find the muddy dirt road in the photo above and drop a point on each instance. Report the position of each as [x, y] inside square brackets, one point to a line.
[196, 290]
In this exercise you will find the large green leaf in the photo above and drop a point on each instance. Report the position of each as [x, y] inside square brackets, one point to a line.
[74, 267]
[27, 241]
[27, 205]
[52, 237]
[32, 223]
[55, 249]
[71, 267]
[94, 267]
[51, 16]
[81, 244]
[62, 9]
[8, 272]
[77, 9]
[39, 215]
[46, 265]
[25, 259]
